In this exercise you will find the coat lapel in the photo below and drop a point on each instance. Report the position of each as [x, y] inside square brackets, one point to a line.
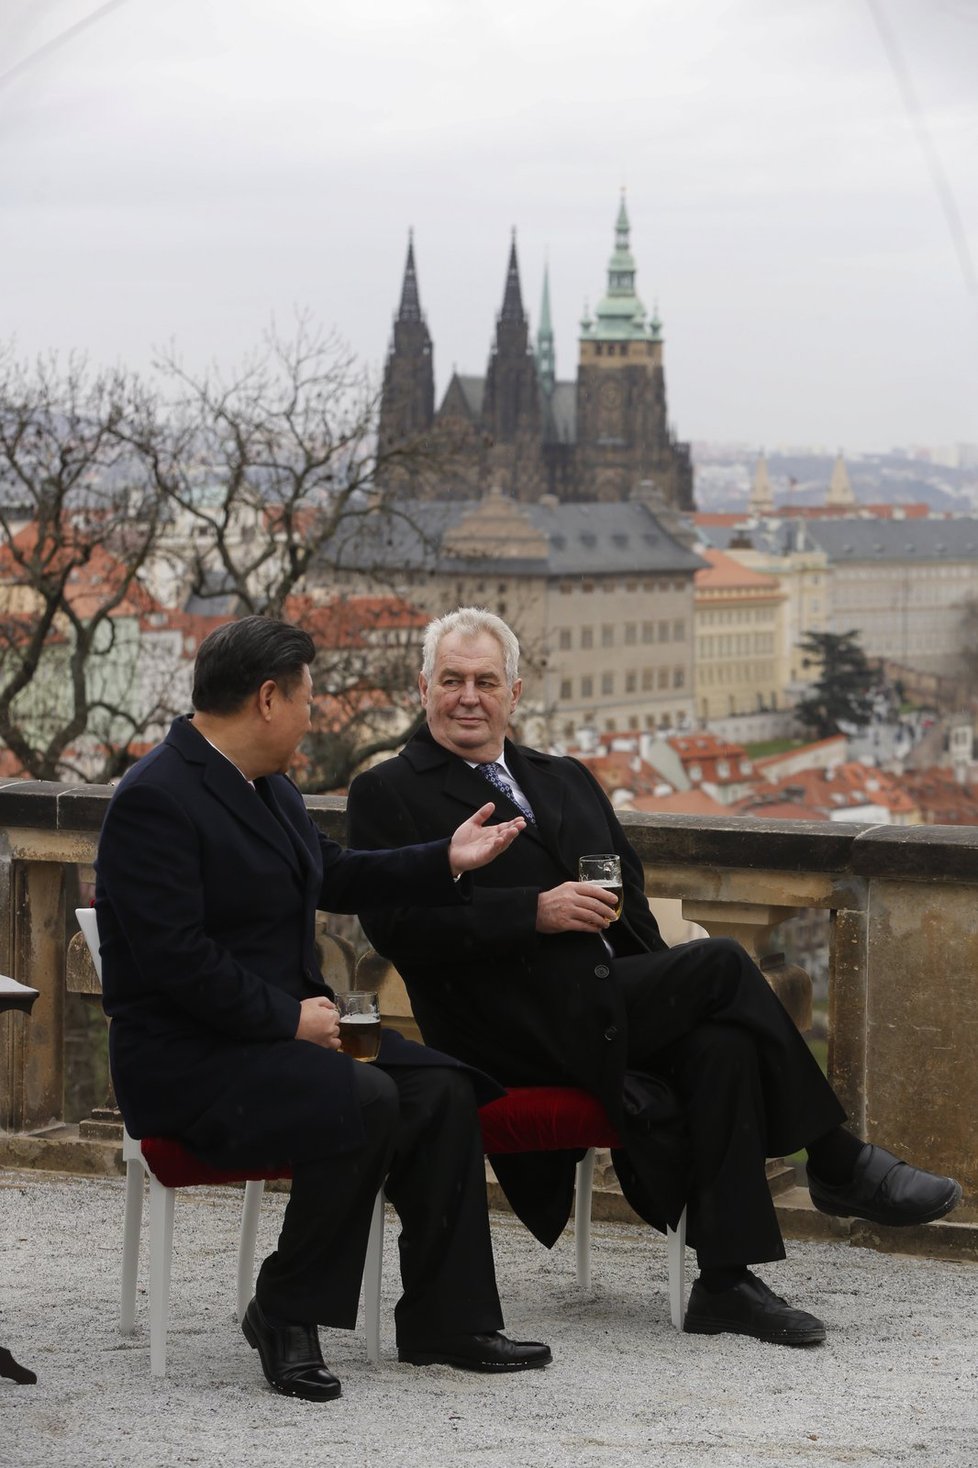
[465, 787]
[227, 785]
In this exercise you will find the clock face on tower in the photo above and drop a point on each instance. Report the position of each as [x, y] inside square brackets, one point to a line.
[610, 410]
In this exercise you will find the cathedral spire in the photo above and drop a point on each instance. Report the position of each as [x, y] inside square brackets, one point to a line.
[840, 488]
[546, 356]
[512, 297]
[762, 493]
[410, 307]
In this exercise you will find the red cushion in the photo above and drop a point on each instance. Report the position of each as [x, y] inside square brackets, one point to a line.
[175, 1167]
[545, 1119]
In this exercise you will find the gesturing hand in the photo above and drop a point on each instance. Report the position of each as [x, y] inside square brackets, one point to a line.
[319, 1022]
[575, 907]
[475, 844]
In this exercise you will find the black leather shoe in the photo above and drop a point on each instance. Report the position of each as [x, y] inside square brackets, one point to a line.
[492, 1352]
[750, 1308]
[290, 1357]
[886, 1190]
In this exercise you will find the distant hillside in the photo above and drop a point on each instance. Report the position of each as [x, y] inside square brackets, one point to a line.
[802, 479]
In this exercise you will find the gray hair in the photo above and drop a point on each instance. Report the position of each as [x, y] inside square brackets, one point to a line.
[471, 622]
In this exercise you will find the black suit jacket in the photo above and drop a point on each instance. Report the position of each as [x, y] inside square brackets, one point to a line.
[485, 985]
[206, 896]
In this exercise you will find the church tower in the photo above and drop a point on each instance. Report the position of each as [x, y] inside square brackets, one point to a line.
[511, 412]
[546, 354]
[512, 400]
[624, 446]
[407, 403]
[840, 494]
[762, 493]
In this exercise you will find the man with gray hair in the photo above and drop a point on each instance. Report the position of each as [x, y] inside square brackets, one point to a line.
[699, 1066]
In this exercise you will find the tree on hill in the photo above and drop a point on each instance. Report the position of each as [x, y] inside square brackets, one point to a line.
[842, 697]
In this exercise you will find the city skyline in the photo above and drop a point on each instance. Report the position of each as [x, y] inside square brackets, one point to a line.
[188, 176]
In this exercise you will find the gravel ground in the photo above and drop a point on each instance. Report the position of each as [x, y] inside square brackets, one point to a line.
[896, 1382]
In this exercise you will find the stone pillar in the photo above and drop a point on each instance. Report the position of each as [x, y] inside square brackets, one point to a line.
[751, 924]
[34, 1091]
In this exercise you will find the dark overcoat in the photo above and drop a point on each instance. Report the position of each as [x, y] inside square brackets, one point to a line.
[530, 1008]
[206, 894]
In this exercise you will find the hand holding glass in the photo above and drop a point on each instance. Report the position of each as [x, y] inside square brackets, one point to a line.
[603, 871]
[359, 1024]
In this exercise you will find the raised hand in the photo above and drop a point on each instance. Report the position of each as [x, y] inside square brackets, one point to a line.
[475, 844]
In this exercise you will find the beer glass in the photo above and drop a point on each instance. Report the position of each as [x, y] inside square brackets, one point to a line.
[359, 1024]
[603, 871]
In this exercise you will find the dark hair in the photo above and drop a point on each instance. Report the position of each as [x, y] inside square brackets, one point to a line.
[235, 660]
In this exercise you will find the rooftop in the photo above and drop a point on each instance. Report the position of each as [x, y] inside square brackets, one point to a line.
[894, 1384]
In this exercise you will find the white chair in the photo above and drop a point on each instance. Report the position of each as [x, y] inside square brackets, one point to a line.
[184, 1170]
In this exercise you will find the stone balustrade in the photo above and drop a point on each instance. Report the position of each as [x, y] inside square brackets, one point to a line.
[903, 981]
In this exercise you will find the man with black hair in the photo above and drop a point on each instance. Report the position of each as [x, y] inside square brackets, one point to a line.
[224, 1034]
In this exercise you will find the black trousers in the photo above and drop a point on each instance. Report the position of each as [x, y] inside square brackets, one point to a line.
[702, 1015]
[422, 1143]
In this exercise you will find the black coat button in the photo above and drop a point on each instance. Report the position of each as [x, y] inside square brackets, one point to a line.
[602, 971]
[611, 1032]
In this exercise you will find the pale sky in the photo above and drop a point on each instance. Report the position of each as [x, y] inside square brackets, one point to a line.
[187, 171]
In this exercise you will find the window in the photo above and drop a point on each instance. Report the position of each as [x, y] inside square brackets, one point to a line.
[648, 631]
[632, 721]
[566, 690]
[607, 635]
[679, 677]
[663, 678]
[679, 630]
[587, 687]
[631, 682]
[631, 633]
[587, 636]
[564, 639]
[648, 681]
[663, 631]
[607, 682]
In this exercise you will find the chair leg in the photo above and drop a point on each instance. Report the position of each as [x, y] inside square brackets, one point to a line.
[676, 1244]
[130, 1244]
[160, 1254]
[250, 1210]
[372, 1271]
[582, 1217]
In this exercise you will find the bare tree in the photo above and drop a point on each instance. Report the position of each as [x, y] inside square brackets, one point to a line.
[124, 509]
[270, 470]
[79, 517]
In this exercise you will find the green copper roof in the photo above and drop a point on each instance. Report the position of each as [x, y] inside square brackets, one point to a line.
[546, 356]
[620, 315]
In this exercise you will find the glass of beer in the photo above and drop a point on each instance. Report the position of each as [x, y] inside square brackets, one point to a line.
[359, 1024]
[603, 871]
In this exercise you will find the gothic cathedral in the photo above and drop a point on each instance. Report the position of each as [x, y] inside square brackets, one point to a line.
[604, 437]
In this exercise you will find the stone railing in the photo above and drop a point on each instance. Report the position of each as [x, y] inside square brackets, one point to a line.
[903, 982]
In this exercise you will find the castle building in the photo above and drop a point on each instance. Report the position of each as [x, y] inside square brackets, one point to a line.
[519, 428]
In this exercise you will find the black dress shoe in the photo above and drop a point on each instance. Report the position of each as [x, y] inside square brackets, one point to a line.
[492, 1352]
[886, 1190]
[750, 1308]
[290, 1357]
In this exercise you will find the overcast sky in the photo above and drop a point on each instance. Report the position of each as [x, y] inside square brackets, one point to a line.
[188, 170]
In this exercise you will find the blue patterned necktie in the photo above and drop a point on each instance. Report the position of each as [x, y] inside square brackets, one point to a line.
[498, 777]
